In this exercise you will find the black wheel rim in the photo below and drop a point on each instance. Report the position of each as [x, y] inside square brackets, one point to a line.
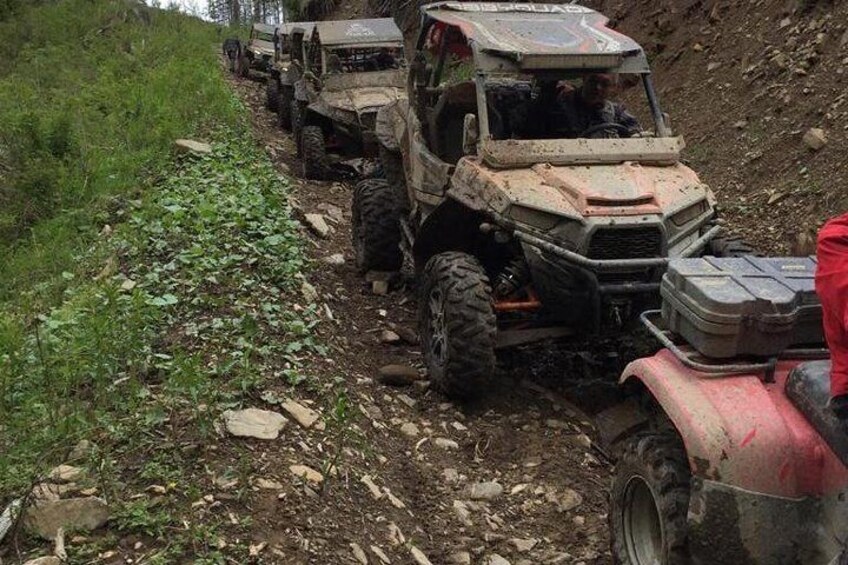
[643, 532]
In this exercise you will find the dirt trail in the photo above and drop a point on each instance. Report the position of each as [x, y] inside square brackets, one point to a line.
[421, 452]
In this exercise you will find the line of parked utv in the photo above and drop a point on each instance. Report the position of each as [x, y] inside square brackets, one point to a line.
[726, 449]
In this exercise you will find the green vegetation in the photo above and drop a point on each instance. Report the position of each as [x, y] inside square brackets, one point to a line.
[140, 296]
[92, 94]
[184, 320]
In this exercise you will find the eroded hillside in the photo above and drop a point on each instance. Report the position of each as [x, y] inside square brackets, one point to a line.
[744, 83]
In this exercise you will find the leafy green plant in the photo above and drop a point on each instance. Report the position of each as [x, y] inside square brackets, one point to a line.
[144, 369]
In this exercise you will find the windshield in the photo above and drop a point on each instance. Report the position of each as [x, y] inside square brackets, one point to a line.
[559, 107]
[548, 103]
[269, 37]
[362, 59]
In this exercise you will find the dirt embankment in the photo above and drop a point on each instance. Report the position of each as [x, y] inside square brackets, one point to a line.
[744, 82]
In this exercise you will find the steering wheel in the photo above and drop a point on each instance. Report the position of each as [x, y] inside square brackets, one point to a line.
[605, 126]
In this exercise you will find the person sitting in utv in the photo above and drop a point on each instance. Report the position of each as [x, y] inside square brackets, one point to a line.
[334, 64]
[384, 60]
[588, 111]
[832, 288]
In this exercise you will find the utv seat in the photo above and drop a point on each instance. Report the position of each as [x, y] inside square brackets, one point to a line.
[808, 387]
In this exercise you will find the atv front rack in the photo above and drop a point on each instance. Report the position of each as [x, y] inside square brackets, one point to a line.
[718, 370]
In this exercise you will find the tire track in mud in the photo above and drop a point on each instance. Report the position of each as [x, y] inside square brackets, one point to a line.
[411, 442]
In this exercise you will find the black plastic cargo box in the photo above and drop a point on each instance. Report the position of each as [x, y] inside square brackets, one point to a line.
[751, 306]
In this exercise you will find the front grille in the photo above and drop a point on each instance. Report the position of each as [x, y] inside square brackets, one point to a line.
[626, 243]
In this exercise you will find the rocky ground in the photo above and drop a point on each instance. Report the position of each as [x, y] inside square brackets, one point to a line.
[394, 472]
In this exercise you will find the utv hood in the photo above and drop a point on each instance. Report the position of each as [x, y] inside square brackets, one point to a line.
[263, 47]
[624, 189]
[360, 100]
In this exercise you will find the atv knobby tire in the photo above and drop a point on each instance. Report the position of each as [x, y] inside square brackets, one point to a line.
[298, 113]
[272, 94]
[314, 153]
[729, 246]
[376, 226]
[457, 324]
[649, 501]
[284, 105]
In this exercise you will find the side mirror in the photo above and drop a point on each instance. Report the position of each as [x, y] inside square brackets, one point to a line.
[470, 134]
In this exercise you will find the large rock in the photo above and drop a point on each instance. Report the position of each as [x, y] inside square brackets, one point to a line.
[419, 556]
[409, 429]
[567, 501]
[446, 443]
[310, 294]
[317, 225]
[389, 337]
[523, 545]
[189, 146]
[359, 553]
[44, 518]
[815, 139]
[460, 558]
[304, 416]
[268, 484]
[485, 491]
[334, 259]
[306, 473]
[255, 423]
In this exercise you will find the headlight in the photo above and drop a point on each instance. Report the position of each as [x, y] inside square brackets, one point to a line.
[535, 218]
[688, 214]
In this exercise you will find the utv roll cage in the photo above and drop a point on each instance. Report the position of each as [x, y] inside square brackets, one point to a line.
[570, 42]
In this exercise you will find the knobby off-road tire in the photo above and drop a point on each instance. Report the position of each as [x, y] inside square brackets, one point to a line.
[730, 246]
[649, 502]
[298, 113]
[284, 109]
[314, 153]
[457, 324]
[272, 94]
[376, 226]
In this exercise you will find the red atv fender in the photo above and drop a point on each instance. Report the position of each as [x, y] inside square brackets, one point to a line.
[766, 488]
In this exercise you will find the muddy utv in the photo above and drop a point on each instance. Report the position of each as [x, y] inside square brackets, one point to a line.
[259, 52]
[517, 235]
[286, 70]
[352, 69]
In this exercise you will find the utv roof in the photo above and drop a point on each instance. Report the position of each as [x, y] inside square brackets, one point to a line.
[539, 36]
[358, 32]
[287, 29]
[264, 28]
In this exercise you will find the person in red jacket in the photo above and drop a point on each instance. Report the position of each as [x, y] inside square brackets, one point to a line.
[832, 288]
